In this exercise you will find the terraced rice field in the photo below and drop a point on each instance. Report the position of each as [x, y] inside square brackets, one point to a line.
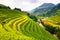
[23, 28]
[51, 21]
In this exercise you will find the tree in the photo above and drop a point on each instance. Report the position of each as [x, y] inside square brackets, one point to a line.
[17, 9]
[33, 17]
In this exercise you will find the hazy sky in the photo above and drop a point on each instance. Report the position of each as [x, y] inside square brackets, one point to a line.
[26, 4]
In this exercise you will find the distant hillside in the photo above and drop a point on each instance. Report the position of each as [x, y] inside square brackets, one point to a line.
[54, 11]
[3, 6]
[43, 9]
[52, 23]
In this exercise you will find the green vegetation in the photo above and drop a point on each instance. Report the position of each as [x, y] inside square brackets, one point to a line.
[17, 25]
[52, 23]
[42, 10]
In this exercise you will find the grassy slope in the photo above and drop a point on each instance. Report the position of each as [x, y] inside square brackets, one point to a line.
[52, 23]
[54, 20]
[15, 25]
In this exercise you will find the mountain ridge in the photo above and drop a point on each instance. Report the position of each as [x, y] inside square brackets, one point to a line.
[54, 10]
[43, 9]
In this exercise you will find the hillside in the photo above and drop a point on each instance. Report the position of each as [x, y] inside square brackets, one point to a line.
[55, 13]
[17, 25]
[52, 23]
[43, 9]
[54, 10]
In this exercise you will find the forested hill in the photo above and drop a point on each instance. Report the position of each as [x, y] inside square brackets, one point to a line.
[54, 11]
[42, 10]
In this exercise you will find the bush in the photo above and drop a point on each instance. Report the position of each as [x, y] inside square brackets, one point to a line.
[58, 33]
[51, 29]
[17, 9]
[33, 17]
[5, 7]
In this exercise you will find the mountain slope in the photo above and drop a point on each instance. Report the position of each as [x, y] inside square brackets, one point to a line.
[54, 16]
[54, 10]
[52, 23]
[43, 9]
[16, 25]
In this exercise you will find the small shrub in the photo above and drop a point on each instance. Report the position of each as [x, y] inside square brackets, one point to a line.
[51, 29]
[58, 33]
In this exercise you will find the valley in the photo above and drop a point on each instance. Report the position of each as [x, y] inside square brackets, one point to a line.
[16, 24]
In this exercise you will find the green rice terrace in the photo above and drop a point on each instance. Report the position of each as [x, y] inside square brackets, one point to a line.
[52, 23]
[17, 25]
